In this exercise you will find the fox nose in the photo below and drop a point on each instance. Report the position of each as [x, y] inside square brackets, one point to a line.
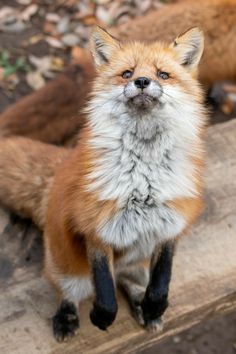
[142, 82]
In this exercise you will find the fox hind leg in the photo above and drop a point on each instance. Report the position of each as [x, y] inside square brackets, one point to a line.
[133, 281]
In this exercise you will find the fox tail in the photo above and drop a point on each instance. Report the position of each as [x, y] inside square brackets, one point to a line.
[27, 170]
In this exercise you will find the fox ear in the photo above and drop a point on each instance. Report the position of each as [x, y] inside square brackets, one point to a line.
[102, 45]
[189, 47]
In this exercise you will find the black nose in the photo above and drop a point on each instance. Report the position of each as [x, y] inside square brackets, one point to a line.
[142, 82]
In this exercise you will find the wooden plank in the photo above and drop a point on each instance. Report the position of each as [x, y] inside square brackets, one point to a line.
[203, 284]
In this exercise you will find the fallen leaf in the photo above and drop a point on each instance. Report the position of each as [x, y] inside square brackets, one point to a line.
[7, 11]
[70, 39]
[63, 25]
[8, 83]
[35, 39]
[102, 2]
[82, 32]
[67, 3]
[12, 80]
[24, 2]
[57, 64]
[85, 8]
[52, 17]
[54, 42]
[49, 74]
[12, 26]
[30, 11]
[35, 80]
[42, 64]
[10, 20]
[45, 67]
[49, 27]
[103, 14]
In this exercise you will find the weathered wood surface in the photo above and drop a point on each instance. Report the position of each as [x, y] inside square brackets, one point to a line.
[204, 277]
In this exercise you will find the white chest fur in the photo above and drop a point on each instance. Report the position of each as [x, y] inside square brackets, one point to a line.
[144, 163]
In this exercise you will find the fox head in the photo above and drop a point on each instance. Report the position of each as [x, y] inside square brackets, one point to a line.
[147, 80]
[145, 77]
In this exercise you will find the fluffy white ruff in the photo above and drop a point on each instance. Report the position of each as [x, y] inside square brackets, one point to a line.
[144, 163]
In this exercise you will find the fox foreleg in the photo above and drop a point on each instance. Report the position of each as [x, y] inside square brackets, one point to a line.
[105, 305]
[155, 300]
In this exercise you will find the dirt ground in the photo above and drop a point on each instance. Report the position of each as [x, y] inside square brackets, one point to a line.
[216, 336]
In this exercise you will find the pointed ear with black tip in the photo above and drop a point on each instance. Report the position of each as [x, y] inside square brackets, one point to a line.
[102, 45]
[189, 48]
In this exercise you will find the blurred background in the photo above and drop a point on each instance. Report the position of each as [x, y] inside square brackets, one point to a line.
[37, 41]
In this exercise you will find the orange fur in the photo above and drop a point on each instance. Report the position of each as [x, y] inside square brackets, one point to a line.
[190, 208]
[27, 170]
[81, 208]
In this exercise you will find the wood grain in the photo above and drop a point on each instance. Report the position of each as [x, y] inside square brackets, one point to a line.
[203, 283]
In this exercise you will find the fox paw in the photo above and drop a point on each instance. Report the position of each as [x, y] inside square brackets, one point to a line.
[154, 326]
[137, 313]
[101, 317]
[65, 321]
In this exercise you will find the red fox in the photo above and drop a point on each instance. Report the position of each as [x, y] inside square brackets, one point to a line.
[49, 114]
[129, 189]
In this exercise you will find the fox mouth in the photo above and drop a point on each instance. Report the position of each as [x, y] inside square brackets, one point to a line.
[142, 101]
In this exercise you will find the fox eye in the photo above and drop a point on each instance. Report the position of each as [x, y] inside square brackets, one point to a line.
[163, 75]
[127, 74]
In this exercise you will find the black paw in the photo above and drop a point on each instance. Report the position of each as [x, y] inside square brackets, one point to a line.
[152, 325]
[102, 317]
[65, 321]
[153, 309]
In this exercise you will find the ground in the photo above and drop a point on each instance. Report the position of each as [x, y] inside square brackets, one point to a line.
[35, 41]
[216, 336]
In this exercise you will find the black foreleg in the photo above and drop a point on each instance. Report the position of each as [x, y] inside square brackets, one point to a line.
[155, 301]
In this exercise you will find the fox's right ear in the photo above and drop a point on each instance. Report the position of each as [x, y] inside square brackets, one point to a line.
[102, 45]
[189, 48]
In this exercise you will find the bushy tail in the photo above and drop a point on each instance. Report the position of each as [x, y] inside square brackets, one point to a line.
[27, 170]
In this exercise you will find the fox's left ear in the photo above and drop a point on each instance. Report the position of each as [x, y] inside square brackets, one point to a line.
[102, 45]
[189, 47]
